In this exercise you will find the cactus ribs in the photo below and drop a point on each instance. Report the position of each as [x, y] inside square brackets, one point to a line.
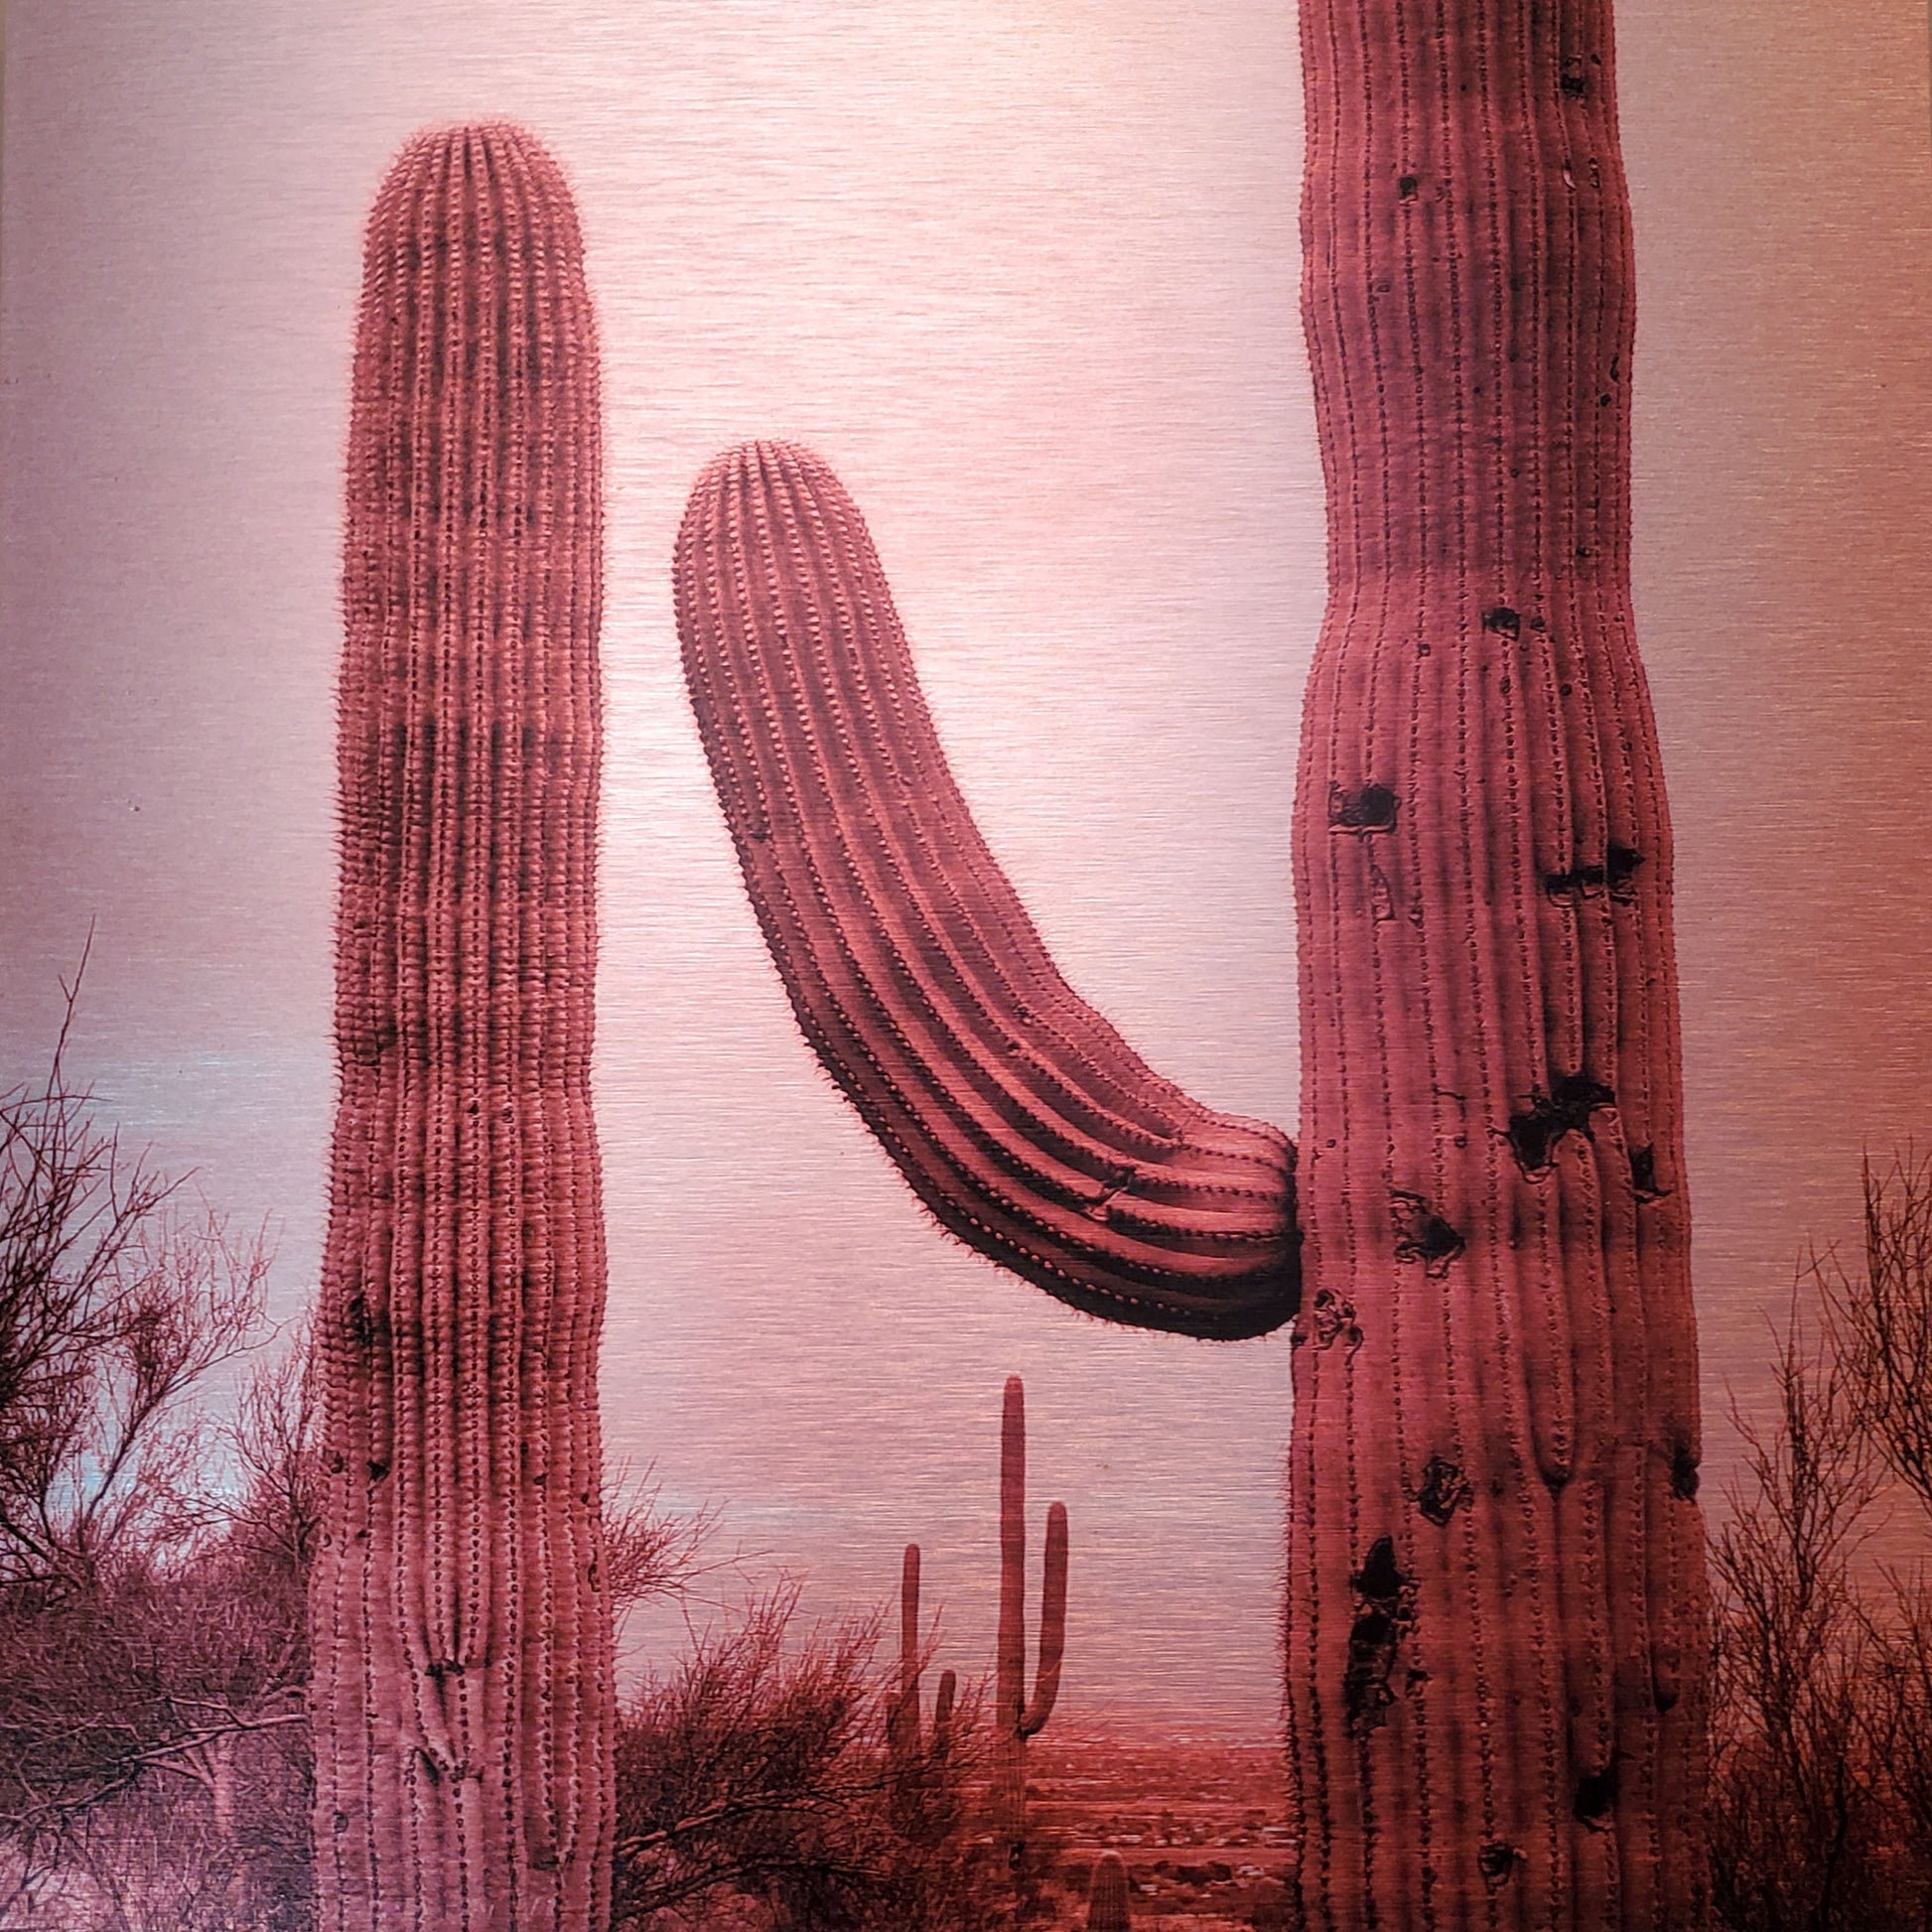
[1019, 1116]
[462, 1691]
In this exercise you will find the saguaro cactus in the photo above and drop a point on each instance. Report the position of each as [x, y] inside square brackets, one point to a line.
[906, 1724]
[1017, 1717]
[462, 1691]
[1018, 1114]
[1107, 1899]
[1496, 1608]
[1495, 1617]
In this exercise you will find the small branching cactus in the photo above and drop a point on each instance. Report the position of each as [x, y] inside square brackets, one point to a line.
[906, 1726]
[463, 1673]
[1020, 1118]
[1017, 1718]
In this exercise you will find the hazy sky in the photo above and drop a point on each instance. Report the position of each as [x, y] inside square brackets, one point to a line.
[1026, 272]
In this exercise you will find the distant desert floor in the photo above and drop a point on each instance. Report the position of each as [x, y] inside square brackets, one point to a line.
[1200, 1826]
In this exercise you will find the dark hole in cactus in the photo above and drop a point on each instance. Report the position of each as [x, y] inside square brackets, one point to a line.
[1684, 1472]
[1445, 1489]
[1497, 1861]
[1365, 808]
[1566, 1109]
[1575, 85]
[1365, 1692]
[1617, 873]
[1374, 1628]
[1504, 621]
[1407, 187]
[1595, 1795]
[1643, 1173]
[1423, 1235]
[1380, 1580]
[340, 1821]
[377, 1471]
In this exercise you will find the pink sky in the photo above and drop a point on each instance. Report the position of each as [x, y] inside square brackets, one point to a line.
[1026, 272]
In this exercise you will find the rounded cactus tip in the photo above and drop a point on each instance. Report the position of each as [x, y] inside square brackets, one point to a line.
[484, 148]
[761, 456]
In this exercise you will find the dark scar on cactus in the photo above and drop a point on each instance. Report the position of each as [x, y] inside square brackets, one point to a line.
[1445, 1489]
[1497, 1861]
[1684, 1472]
[1617, 873]
[1383, 1616]
[1362, 809]
[1643, 1174]
[1015, 1111]
[1564, 1109]
[1334, 1320]
[1504, 621]
[1420, 1234]
[1595, 1798]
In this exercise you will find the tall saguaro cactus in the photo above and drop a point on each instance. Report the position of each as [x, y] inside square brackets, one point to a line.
[1495, 1617]
[462, 1693]
[1017, 1717]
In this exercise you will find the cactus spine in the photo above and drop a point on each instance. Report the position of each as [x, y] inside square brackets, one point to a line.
[462, 1692]
[1015, 1112]
[1495, 1612]
[1017, 1717]
[1107, 1900]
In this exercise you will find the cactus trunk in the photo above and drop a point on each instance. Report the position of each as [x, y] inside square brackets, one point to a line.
[462, 1694]
[1495, 1611]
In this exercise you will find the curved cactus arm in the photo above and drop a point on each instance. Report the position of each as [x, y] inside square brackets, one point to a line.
[1052, 1626]
[1020, 1116]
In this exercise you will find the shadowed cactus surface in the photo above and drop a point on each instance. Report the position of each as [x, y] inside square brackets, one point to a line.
[1018, 1114]
[462, 1694]
[1496, 1606]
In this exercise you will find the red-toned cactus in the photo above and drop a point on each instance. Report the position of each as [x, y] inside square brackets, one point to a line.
[462, 1693]
[1016, 1717]
[1495, 1621]
[1018, 1114]
[1107, 1897]
[905, 1729]
[1496, 1607]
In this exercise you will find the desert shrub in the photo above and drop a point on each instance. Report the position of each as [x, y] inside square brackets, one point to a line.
[757, 1786]
[1821, 1789]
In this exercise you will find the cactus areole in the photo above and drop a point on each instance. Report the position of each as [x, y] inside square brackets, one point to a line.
[1495, 1602]
[462, 1693]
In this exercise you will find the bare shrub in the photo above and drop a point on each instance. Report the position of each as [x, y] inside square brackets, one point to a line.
[1821, 1797]
[759, 1787]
